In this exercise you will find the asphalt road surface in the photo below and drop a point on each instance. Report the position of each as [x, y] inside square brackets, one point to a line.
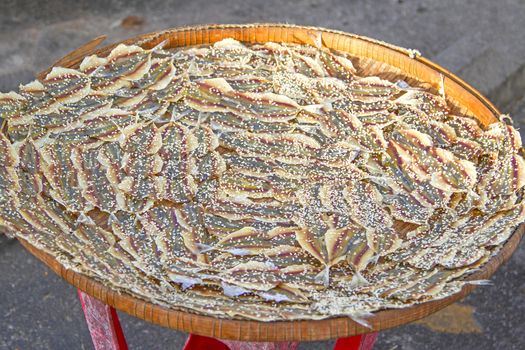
[481, 41]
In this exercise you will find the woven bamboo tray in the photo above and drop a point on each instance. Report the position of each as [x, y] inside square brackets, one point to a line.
[372, 57]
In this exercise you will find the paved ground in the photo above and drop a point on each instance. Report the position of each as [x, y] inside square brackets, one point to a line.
[481, 41]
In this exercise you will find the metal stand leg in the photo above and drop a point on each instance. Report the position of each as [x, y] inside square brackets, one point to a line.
[107, 334]
[197, 342]
[103, 324]
[358, 342]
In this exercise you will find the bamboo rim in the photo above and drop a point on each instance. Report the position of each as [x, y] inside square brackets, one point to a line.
[412, 66]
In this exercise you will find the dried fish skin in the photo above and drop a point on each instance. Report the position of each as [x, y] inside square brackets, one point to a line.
[209, 167]
[66, 85]
[500, 139]
[342, 243]
[178, 143]
[250, 83]
[11, 221]
[246, 241]
[206, 141]
[108, 126]
[512, 166]
[336, 66]
[434, 106]
[372, 89]
[175, 90]
[162, 223]
[11, 105]
[58, 169]
[195, 236]
[427, 162]
[160, 73]
[495, 229]
[123, 64]
[407, 209]
[289, 147]
[294, 85]
[237, 185]
[141, 139]
[363, 198]
[216, 95]
[71, 114]
[96, 187]
[135, 240]
[10, 160]
[140, 164]
[228, 122]
[242, 209]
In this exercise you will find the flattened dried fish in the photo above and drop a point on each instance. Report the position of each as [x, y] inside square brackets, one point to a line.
[66, 85]
[58, 170]
[96, 187]
[268, 181]
[11, 105]
[216, 95]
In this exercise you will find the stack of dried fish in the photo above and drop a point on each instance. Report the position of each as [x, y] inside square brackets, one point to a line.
[266, 181]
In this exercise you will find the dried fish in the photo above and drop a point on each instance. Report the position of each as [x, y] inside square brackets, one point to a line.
[66, 85]
[216, 95]
[267, 181]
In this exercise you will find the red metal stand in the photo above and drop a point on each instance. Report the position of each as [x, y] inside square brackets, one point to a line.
[103, 324]
[107, 334]
[358, 342]
[197, 342]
